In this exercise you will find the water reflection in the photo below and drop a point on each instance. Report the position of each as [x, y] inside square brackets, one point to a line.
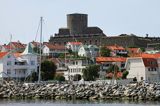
[27, 102]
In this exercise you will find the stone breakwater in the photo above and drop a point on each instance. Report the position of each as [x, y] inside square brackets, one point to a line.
[137, 91]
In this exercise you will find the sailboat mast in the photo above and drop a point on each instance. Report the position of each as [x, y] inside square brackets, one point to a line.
[40, 59]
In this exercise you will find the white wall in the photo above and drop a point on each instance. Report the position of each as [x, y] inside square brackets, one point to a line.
[83, 52]
[1, 69]
[136, 68]
[45, 50]
[152, 76]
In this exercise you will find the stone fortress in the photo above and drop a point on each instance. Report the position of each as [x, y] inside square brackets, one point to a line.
[78, 30]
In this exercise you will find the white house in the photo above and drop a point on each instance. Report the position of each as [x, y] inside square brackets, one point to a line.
[17, 65]
[75, 66]
[74, 46]
[88, 51]
[53, 50]
[143, 68]
[84, 51]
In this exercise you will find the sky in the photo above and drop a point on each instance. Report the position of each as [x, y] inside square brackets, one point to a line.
[20, 18]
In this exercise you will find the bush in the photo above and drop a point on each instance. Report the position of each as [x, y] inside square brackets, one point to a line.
[125, 73]
[60, 78]
[48, 70]
[90, 73]
[77, 77]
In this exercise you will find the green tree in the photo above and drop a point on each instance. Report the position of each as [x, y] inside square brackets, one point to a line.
[143, 49]
[124, 75]
[105, 52]
[37, 50]
[59, 78]
[70, 51]
[48, 70]
[91, 72]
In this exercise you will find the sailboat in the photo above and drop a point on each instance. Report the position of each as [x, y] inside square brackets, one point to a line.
[40, 59]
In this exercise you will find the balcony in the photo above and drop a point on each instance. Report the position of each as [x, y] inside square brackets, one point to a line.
[20, 65]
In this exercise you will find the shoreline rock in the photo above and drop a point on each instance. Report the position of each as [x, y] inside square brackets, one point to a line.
[137, 91]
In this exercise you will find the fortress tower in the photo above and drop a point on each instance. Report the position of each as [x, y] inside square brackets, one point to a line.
[77, 28]
[77, 23]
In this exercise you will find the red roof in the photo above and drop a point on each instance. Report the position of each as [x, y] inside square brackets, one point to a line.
[2, 54]
[8, 47]
[110, 59]
[75, 43]
[115, 47]
[57, 47]
[54, 60]
[150, 62]
[133, 50]
[17, 44]
[145, 55]
[35, 43]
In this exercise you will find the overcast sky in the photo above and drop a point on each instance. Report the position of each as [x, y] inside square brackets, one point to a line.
[21, 17]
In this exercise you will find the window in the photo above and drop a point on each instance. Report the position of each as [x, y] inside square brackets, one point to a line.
[95, 42]
[9, 56]
[152, 69]
[90, 42]
[8, 71]
[85, 42]
[32, 62]
[8, 63]
[24, 71]
[76, 63]
[106, 65]
[122, 65]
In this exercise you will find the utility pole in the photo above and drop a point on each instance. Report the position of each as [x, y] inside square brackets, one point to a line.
[40, 59]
